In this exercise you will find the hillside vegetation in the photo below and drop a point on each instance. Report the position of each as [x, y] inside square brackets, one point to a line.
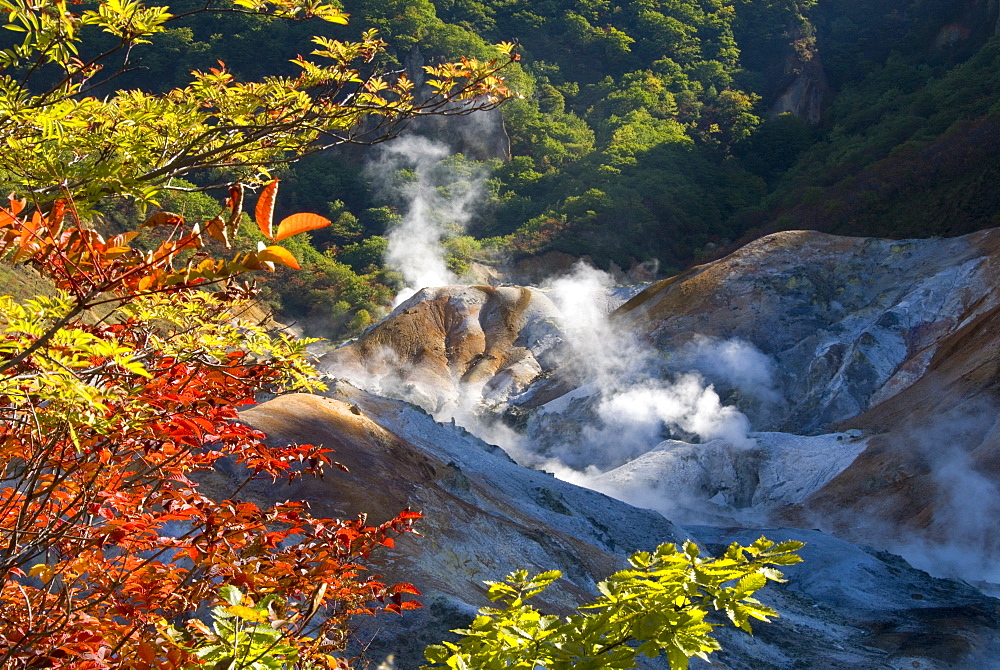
[655, 130]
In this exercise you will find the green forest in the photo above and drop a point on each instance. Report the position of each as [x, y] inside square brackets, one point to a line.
[664, 132]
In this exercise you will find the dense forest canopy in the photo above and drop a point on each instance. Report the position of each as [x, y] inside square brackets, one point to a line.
[658, 131]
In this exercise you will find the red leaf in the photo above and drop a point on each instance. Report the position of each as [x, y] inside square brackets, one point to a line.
[264, 212]
[145, 652]
[406, 587]
[299, 223]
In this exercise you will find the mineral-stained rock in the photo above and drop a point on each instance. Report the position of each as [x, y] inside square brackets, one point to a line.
[898, 339]
[446, 343]
[849, 322]
[845, 607]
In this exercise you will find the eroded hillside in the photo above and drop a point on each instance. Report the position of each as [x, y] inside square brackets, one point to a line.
[805, 380]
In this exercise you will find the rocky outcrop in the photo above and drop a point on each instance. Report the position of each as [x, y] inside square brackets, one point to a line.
[932, 469]
[804, 89]
[844, 607]
[850, 322]
[446, 344]
[897, 339]
[973, 20]
[895, 345]
[807, 94]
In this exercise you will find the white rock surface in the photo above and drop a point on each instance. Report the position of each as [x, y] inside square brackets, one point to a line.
[724, 482]
[799, 331]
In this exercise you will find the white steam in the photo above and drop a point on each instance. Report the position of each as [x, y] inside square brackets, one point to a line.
[967, 545]
[686, 404]
[734, 363]
[632, 400]
[966, 502]
[439, 203]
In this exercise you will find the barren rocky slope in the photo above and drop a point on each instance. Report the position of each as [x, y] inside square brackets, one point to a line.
[900, 340]
[845, 607]
[805, 380]
[849, 322]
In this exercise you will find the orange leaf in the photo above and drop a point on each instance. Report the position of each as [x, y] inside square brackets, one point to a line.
[164, 219]
[217, 229]
[406, 587]
[15, 205]
[119, 244]
[29, 227]
[276, 254]
[58, 211]
[299, 223]
[264, 212]
[146, 652]
[235, 204]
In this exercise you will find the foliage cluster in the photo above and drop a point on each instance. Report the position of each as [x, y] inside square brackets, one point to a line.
[657, 607]
[108, 423]
[119, 389]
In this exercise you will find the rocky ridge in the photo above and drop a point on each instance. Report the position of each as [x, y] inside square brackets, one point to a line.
[861, 377]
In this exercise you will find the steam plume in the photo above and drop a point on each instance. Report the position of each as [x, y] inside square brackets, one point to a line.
[437, 201]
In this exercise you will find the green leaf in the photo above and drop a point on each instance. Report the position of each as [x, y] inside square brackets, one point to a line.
[750, 584]
[231, 594]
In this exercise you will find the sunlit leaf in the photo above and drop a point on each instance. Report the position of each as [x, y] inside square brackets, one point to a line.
[299, 223]
[264, 211]
[276, 254]
[164, 219]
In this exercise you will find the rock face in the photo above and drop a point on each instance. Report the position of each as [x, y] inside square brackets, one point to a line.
[898, 339]
[805, 380]
[850, 322]
[719, 482]
[933, 465]
[808, 93]
[845, 607]
[442, 341]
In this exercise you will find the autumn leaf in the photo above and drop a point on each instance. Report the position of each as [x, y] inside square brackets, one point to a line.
[245, 613]
[164, 219]
[264, 212]
[276, 254]
[299, 223]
